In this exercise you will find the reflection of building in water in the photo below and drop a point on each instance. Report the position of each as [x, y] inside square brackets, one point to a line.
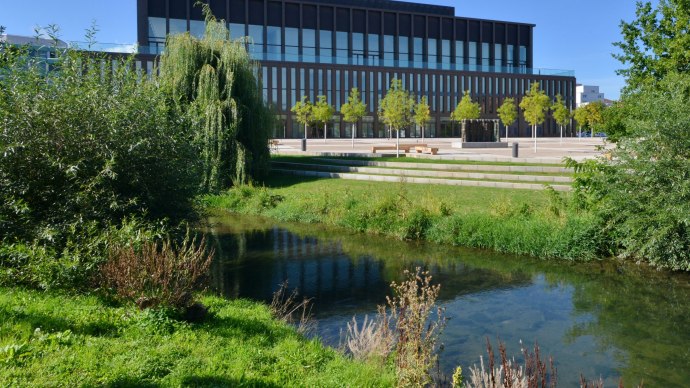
[254, 264]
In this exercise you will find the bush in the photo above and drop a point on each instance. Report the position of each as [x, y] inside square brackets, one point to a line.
[643, 196]
[157, 275]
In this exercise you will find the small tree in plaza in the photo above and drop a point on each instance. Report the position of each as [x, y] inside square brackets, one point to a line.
[422, 114]
[353, 110]
[322, 112]
[466, 110]
[580, 115]
[534, 106]
[303, 111]
[595, 114]
[560, 113]
[508, 113]
[395, 109]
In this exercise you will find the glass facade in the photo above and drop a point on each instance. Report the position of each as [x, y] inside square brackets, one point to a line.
[435, 56]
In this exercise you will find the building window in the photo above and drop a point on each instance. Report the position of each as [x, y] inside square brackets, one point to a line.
[510, 55]
[197, 28]
[178, 26]
[498, 56]
[374, 51]
[403, 50]
[273, 41]
[256, 36]
[342, 47]
[459, 54]
[485, 56]
[292, 43]
[308, 45]
[389, 50]
[418, 51]
[432, 53]
[472, 56]
[445, 54]
[358, 48]
[326, 45]
[236, 31]
[523, 57]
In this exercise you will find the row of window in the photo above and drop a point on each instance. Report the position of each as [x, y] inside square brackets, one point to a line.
[309, 45]
[283, 87]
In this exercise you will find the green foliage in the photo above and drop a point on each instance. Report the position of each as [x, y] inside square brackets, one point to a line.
[212, 82]
[422, 112]
[507, 112]
[645, 194]
[83, 341]
[395, 109]
[534, 105]
[581, 116]
[595, 114]
[323, 112]
[561, 113]
[614, 118]
[353, 109]
[466, 109]
[82, 149]
[656, 43]
[303, 111]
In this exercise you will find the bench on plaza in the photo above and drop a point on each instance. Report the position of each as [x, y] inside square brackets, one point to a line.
[403, 147]
[424, 149]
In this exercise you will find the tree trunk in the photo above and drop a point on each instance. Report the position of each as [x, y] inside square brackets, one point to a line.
[534, 131]
[561, 134]
[305, 132]
[325, 128]
[463, 135]
[397, 143]
[353, 135]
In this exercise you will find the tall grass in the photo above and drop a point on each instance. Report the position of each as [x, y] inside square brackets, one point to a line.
[509, 223]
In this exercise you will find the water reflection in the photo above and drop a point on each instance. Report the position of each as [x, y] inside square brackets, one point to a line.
[600, 319]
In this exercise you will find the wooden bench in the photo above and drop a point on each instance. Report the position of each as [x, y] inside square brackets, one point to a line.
[403, 147]
[425, 149]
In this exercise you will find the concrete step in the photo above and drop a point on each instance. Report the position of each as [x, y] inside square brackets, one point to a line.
[449, 166]
[424, 173]
[419, 180]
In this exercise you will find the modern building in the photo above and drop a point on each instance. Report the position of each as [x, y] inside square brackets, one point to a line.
[326, 47]
[584, 94]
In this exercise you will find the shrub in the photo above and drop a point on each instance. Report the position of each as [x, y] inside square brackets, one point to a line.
[371, 339]
[157, 275]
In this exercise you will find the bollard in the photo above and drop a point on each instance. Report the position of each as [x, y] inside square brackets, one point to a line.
[304, 144]
[515, 149]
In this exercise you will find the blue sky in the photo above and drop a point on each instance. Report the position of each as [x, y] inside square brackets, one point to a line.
[574, 35]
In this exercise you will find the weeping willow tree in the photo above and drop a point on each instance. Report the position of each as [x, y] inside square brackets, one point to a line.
[216, 84]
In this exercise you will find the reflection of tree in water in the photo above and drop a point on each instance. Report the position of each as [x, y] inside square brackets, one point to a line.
[644, 314]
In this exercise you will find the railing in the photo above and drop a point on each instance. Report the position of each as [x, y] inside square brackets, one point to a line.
[351, 61]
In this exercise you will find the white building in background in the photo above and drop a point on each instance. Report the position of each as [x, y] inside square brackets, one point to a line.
[585, 94]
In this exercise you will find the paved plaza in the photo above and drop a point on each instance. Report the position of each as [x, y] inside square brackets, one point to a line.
[549, 150]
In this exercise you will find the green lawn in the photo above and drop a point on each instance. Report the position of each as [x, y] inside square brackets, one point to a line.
[55, 339]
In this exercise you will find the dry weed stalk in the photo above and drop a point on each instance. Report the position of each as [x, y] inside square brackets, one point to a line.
[510, 374]
[411, 306]
[153, 274]
[284, 306]
[372, 339]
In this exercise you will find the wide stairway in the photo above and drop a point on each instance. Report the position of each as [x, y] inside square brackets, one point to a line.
[530, 176]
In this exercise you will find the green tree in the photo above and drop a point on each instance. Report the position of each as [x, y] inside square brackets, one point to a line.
[422, 114]
[508, 113]
[395, 109]
[212, 80]
[614, 121]
[323, 112]
[534, 106]
[303, 113]
[655, 43]
[595, 114]
[466, 110]
[580, 115]
[353, 110]
[561, 113]
[644, 197]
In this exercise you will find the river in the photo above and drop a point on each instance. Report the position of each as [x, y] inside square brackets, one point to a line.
[605, 319]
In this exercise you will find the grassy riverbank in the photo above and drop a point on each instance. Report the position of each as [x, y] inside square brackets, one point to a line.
[537, 223]
[56, 339]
